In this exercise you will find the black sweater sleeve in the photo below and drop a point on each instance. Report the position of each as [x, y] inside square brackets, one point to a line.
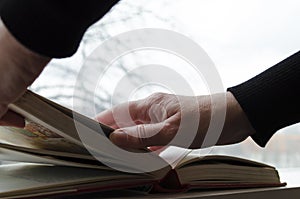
[271, 100]
[52, 27]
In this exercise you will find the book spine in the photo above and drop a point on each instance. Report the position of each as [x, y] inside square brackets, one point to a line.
[169, 184]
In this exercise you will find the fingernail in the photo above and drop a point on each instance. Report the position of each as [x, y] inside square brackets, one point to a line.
[117, 137]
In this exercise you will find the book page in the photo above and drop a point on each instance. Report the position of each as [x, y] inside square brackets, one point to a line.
[36, 136]
[174, 155]
[17, 156]
[33, 178]
[70, 113]
[177, 156]
[23, 156]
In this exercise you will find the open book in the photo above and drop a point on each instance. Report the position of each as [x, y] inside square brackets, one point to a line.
[58, 162]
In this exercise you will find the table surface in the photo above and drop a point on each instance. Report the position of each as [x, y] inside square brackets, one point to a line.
[292, 190]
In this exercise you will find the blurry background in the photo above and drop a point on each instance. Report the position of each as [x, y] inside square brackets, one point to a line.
[242, 37]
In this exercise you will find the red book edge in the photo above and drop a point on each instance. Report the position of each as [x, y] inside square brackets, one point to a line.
[171, 184]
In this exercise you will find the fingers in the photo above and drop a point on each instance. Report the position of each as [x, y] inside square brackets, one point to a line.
[118, 117]
[123, 115]
[12, 119]
[156, 148]
[133, 113]
[106, 117]
[144, 135]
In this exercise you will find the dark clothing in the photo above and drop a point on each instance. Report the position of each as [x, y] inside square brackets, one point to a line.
[55, 28]
[52, 27]
[271, 100]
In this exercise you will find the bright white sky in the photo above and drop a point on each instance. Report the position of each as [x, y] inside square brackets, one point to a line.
[243, 37]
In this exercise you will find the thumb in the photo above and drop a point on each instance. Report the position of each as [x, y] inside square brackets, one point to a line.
[141, 136]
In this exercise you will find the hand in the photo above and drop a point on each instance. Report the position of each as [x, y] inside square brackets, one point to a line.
[154, 121]
[19, 67]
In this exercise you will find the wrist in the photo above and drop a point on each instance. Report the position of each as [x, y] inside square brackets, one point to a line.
[19, 67]
[237, 126]
[19, 55]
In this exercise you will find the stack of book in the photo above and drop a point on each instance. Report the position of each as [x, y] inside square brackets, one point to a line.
[56, 162]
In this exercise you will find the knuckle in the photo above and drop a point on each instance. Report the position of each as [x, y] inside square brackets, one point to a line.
[157, 97]
[169, 131]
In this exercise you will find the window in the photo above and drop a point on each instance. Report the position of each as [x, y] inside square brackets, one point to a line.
[243, 38]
